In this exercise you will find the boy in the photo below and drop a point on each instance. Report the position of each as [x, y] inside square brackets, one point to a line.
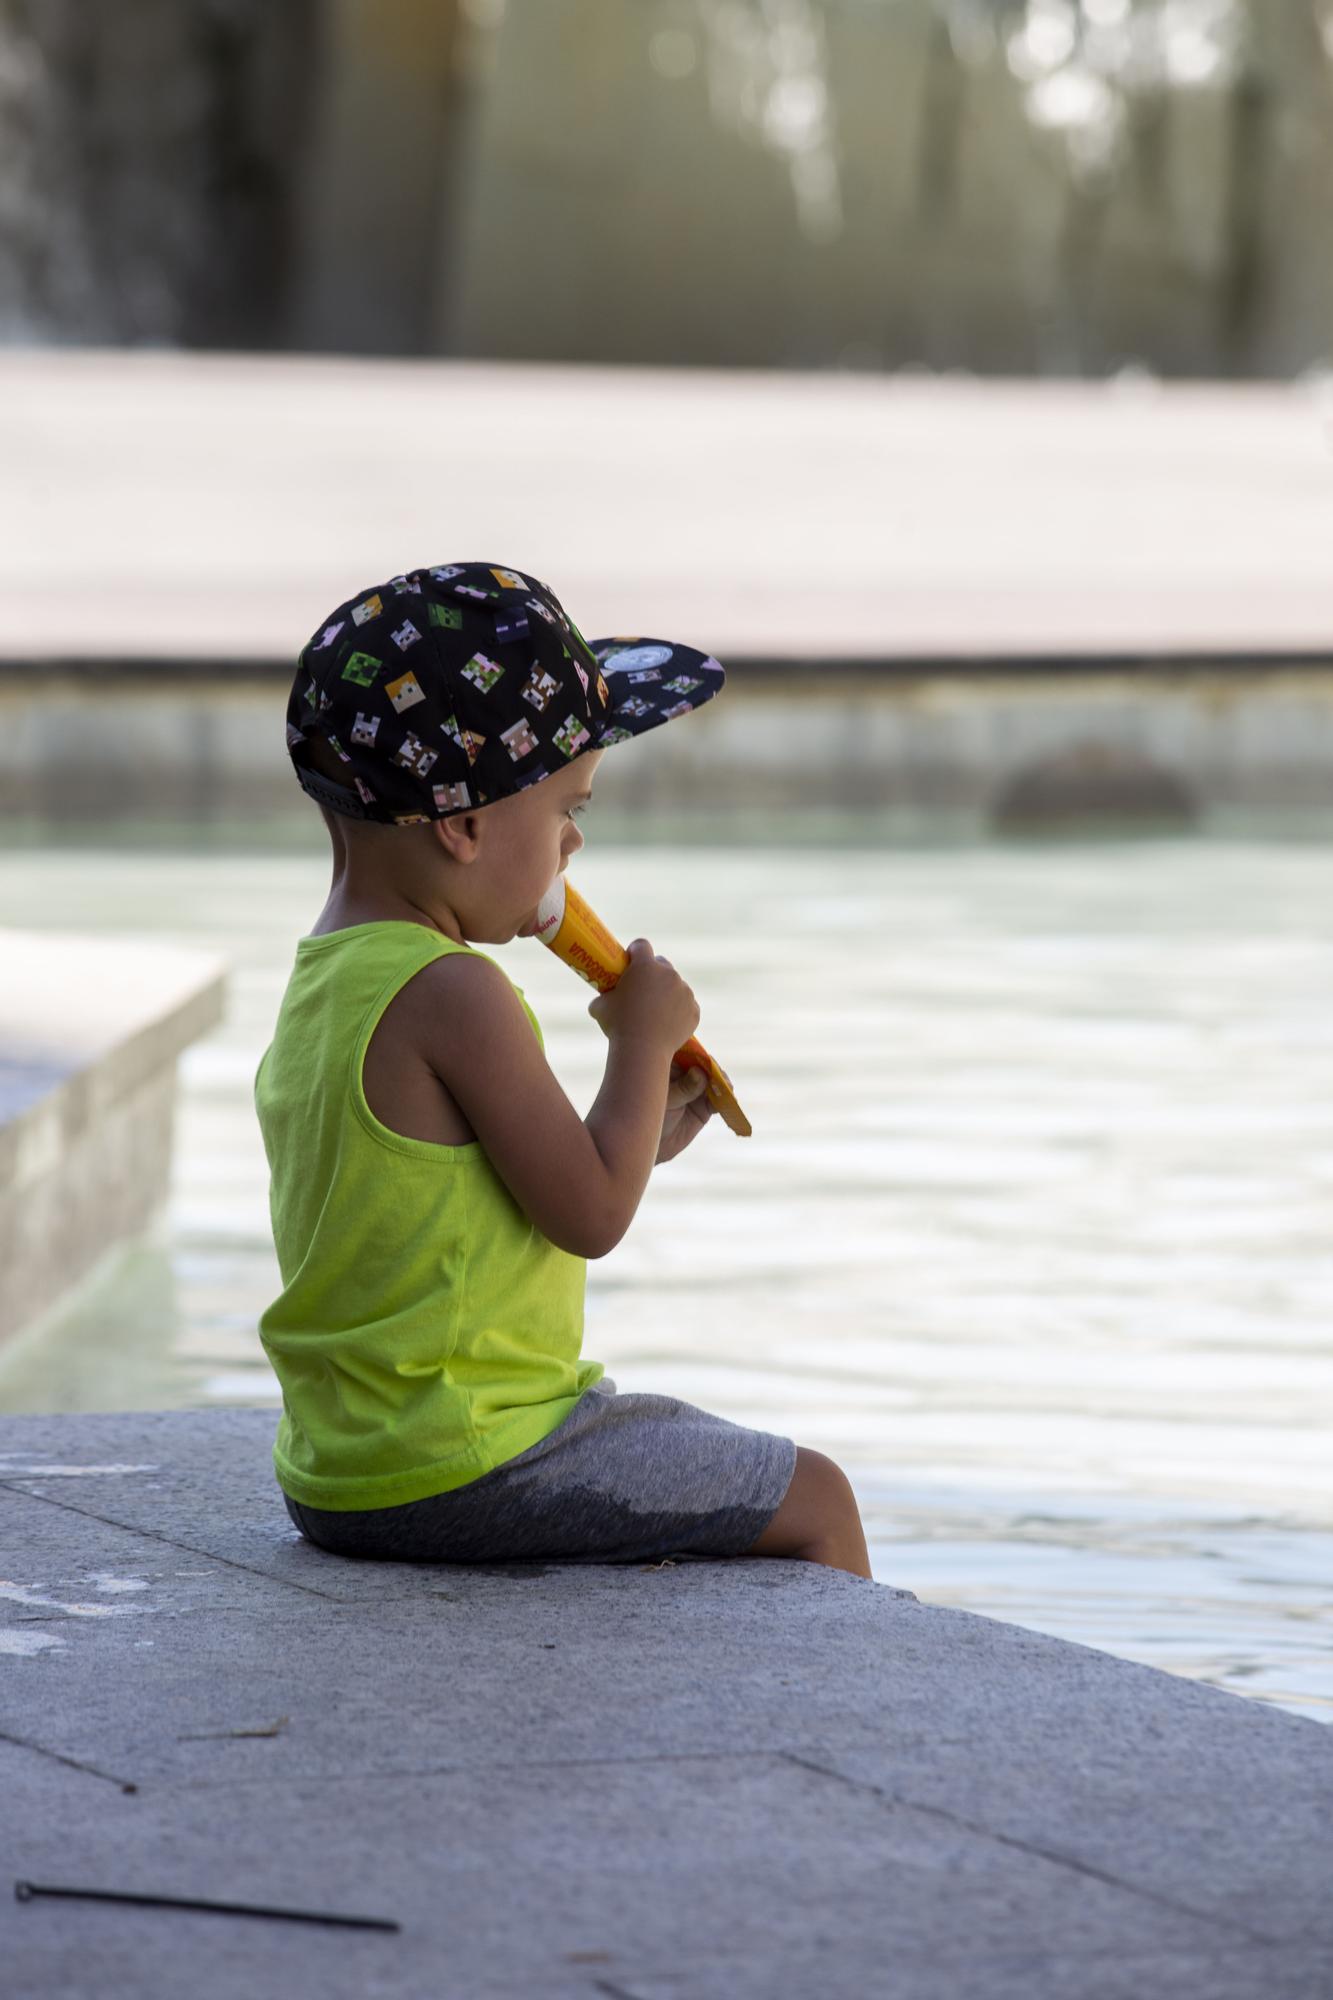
[434, 1193]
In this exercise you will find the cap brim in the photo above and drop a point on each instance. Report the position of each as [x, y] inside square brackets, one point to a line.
[652, 681]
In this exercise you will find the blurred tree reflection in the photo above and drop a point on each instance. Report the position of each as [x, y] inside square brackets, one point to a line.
[145, 155]
[1059, 186]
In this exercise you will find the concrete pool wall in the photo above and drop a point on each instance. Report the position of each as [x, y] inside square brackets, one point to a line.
[988, 747]
[90, 1033]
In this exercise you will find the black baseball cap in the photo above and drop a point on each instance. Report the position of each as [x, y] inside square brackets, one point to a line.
[447, 688]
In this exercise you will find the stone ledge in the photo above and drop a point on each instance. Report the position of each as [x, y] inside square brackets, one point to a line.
[713, 1781]
[90, 1032]
[932, 518]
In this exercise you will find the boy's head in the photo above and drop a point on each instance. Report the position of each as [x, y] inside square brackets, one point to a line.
[489, 867]
[453, 693]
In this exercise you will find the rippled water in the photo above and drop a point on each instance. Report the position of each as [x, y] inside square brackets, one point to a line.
[1032, 1234]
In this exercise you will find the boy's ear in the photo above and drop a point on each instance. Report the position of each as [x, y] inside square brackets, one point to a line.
[457, 835]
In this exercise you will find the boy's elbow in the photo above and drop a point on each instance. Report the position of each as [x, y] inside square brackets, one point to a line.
[600, 1234]
[580, 1236]
[600, 1243]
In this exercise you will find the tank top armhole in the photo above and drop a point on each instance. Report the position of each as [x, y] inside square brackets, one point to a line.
[384, 1135]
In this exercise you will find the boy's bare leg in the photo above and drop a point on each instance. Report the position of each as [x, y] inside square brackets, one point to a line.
[818, 1520]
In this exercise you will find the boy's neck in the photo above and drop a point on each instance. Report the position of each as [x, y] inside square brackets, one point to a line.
[341, 912]
[353, 900]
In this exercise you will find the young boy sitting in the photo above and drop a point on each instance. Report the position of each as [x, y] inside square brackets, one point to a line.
[434, 1193]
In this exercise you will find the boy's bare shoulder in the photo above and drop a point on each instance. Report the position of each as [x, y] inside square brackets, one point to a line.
[471, 1030]
[462, 992]
[468, 1022]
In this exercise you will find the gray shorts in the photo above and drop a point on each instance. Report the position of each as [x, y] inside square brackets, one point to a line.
[625, 1478]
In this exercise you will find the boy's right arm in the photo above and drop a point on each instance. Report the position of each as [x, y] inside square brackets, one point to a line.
[578, 1181]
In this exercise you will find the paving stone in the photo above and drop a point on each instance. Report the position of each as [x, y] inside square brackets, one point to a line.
[720, 1778]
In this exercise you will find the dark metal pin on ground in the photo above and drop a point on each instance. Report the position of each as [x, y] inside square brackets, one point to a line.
[25, 1891]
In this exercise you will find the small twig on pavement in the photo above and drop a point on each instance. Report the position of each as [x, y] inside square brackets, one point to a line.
[25, 1891]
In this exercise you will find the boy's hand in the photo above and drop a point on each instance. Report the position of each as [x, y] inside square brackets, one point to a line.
[649, 1000]
[687, 1112]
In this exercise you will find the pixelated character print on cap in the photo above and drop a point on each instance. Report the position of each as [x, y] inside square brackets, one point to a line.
[450, 686]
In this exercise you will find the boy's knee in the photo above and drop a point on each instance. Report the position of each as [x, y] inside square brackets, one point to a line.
[826, 1483]
[830, 1517]
[818, 1519]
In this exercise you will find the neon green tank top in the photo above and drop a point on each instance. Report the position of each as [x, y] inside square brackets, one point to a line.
[426, 1331]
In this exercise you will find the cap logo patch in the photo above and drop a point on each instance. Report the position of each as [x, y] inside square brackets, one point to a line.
[447, 615]
[365, 729]
[508, 579]
[406, 635]
[636, 656]
[364, 612]
[450, 798]
[327, 636]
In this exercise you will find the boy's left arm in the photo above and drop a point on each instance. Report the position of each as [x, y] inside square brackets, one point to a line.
[687, 1112]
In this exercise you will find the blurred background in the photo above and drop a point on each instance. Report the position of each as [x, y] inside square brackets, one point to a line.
[960, 372]
[1005, 186]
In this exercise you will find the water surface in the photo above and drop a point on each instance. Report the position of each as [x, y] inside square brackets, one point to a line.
[1032, 1234]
